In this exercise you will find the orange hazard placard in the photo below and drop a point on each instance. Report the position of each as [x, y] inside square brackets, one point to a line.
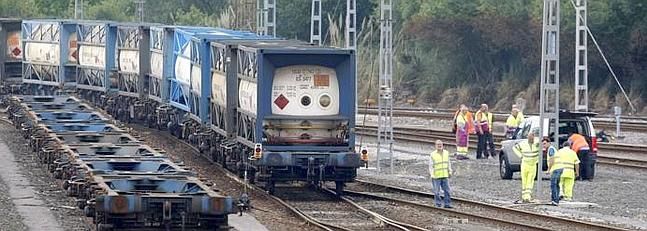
[322, 80]
[13, 45]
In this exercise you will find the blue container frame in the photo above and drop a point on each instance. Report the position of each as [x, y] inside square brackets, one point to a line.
[142, 46]
[64, 73]
[11, 69]
[161, 42]
[107, 37]
[199, 39]
[282, 54]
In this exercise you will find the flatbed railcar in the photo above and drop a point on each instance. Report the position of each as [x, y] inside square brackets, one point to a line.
[117, 180]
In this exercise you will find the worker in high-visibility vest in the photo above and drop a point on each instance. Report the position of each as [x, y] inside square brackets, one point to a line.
[440, 169]
[484, 133]
[528, 150]
[462, 133]
[514, 121]
[564, 168]
[549, 152]
[581, 147]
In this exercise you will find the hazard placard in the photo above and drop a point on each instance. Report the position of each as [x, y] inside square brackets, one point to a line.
[281, 101]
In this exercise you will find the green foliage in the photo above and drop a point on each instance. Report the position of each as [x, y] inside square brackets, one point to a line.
[194, 16]
[117, 10]
[492, 48]
[18, 9]
[447, 51]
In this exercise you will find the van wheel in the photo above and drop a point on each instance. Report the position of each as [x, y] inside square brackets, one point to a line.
[504, 167]
[592, 169]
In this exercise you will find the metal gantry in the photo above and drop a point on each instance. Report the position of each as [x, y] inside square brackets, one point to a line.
[244, 14]
[140, 9]
[385, 100]
[581, 59]
[549, 88]
[266, 20]
[315, 22]
[351, 24]
[78, 9]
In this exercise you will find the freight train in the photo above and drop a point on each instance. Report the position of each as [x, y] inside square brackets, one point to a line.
[268, 109]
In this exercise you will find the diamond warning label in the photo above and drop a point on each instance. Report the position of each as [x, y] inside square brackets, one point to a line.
[16, 51]
[281, 101]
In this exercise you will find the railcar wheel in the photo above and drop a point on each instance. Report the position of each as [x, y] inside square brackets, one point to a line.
[339, 188]
[81, 204]
[88, 212]
[104, 227]
[270, 187]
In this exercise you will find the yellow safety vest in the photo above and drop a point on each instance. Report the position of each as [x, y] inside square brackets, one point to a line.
[440, 164]
[528, 153]
[482, 119]
[565, 159]
[461, 121]
[514, 122]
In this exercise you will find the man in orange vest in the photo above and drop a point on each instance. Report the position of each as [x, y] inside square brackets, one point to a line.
[484, 133]
[581, 147]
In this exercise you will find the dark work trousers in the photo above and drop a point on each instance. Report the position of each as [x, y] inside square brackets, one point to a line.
[586, 169]
[485, 143]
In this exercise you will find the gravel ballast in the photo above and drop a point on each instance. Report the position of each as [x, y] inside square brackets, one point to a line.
[268, 212]
[45, 187]
[618, 194]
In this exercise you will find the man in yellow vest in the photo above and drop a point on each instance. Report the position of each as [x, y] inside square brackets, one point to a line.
[484, 133]
[528, 150]
[564, 168]
[440, 169]
[514, 121]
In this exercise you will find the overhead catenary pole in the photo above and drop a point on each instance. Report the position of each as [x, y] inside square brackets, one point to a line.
[581, 57]
[315, 22]
[260, 25]
[351, 24]
[549, 80]
[140, 9]
[266, 20]
[385, 100]
[78, 9]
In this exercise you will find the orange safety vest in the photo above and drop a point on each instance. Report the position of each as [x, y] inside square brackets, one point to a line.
[578, 142]
[470, 123]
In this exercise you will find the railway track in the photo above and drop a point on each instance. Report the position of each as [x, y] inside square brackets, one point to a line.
[637, 124]
[336, 213]
[321, 209]
[428, 136]
[473, 211]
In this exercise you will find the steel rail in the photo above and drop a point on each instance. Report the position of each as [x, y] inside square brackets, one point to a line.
[428, 136]
[307, 218]
[235, 178]
[439, 114]
[584, 224]
[445, 110]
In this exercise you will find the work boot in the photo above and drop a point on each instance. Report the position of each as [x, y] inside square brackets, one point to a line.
[448, 207]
